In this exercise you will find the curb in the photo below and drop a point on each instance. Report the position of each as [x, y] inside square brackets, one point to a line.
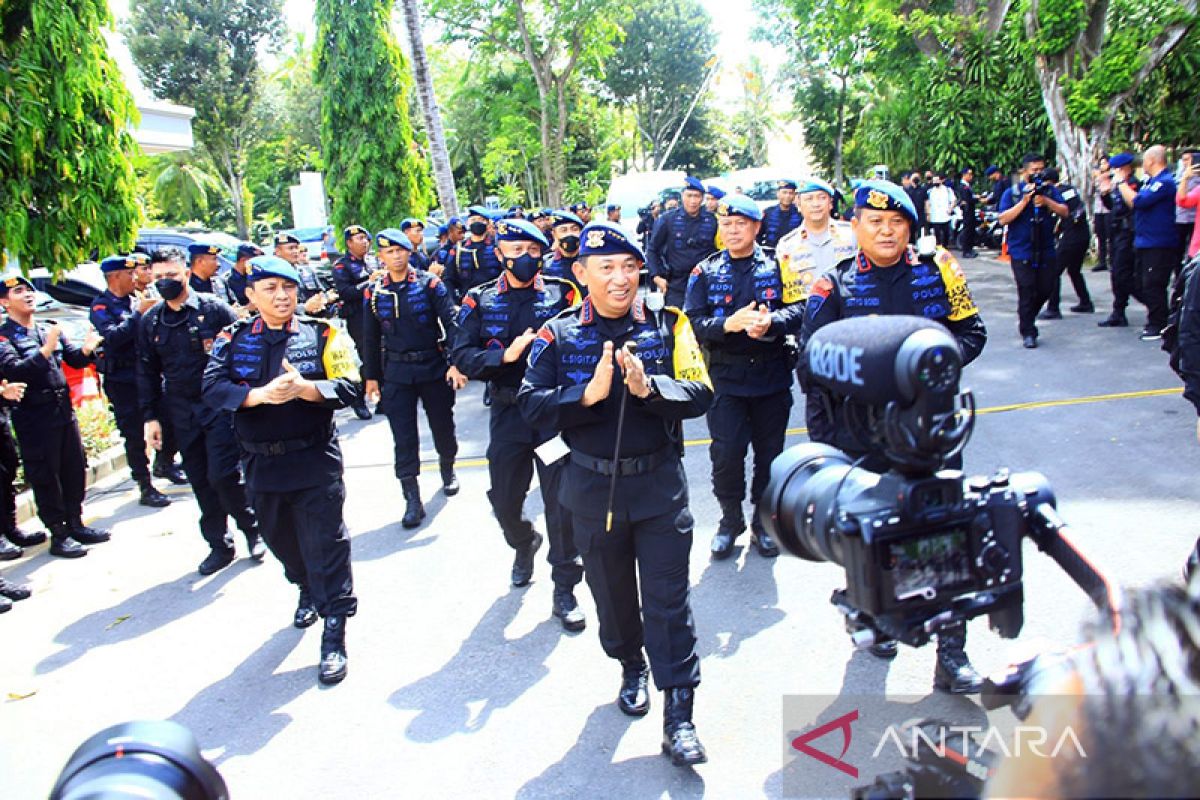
[102, 466]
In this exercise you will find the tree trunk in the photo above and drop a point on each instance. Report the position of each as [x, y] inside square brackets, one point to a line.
[841, 132]
[1078, 148]
[443, 175]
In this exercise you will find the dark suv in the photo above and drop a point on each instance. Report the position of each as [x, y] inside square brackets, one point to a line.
[151, 239]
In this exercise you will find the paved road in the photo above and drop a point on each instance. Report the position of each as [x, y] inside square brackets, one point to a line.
[461, 686]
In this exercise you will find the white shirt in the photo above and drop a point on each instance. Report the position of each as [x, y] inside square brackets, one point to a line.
[942, 201]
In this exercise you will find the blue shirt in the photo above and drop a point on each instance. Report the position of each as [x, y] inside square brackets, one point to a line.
[1021, 229]
[1154, 213]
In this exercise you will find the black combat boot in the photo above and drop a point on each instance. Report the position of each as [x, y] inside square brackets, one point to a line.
[1115, 320]
[5, 604]
[172, 472]
[254, 543]
[62, 544]
[216, 560]
[362, 410]
[86, 535]
[954, 673]
[414, 511]
[522, 568]
[17, 536]
[150, 496]
[333, 651]
[449, 479]
[306, 610]
[728, 529]
[566, 608]
[634, 697]
[9, 551]
[13, 591]
[679, 734]
[763, 542]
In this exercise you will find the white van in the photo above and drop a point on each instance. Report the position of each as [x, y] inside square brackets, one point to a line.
[636, 190]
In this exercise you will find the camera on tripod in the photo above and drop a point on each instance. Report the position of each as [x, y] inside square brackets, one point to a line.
[1038, 181]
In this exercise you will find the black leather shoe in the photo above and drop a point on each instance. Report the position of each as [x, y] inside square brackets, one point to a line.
[22, 539]
[634, 697]
[954, 673]
[762, 540]
[1099, 268]
[1050, 313]
[9, 551]
[1029, 342]
[679, 734]
[5, 604]
[522, 568]
[152, 497]
[85, 535]
[362, 411]
[1113, 321]
[414, 510]
[333, 651]
[728, 529]
[172, 472]
[13, 591]
[566, 608]
[885, 651]
[333, 669]
[449, 479]
[306, 611]
[254, 543]
[216, 561]
[66, 547]
[1083, 308]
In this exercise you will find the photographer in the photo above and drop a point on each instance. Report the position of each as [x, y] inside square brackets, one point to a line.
[1154, 236]
[1074, 238]
[1029, 210]
[885, 277]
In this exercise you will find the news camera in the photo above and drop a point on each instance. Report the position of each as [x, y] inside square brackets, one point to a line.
[923, 547]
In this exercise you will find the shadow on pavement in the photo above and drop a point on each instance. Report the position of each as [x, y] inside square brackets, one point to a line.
[489, 671]
[734, 602]
[589, 764]
[238, 711]
[393, 537]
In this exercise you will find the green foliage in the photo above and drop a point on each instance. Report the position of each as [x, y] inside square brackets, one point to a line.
[1162, 109]
[375, 173]
[1059, 24]
[67, 185]
[1110, 74]
[183, 190]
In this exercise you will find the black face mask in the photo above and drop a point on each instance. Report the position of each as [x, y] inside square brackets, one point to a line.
[523, 267]
[477, 228]
[569, 245]
[169, 288]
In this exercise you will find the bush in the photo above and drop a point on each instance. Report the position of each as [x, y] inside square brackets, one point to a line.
[97, 427]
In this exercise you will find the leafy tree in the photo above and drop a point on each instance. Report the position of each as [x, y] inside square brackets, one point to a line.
[374, 170]
[183, 190]
[204, 54]
[67, 185]
[755, 121]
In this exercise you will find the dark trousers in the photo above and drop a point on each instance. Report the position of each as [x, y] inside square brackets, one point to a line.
[354, 327]
[1184, 231]
[941, 232]
[1070, 260]
[1123, 272]
[305, 531]
[52, 453]
[676, 289]
[656, 551]
[399, 402]
[1034, 285]
[123, 399]
[165, 456]
[736, 423]
[212, 461]
[10, 462]
[1103, 239]
[1155, 265]
[967, 237]
[511, 462]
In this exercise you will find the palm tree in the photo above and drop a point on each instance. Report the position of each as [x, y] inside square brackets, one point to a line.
[443, 175]
[184, 191]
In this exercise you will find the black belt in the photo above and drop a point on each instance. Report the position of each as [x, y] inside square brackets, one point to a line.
[716, 357]
[638, 465]
[285, 446]
[412, 356]
[502, 395]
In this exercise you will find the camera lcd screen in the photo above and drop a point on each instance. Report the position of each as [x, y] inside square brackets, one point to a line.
[929, 563]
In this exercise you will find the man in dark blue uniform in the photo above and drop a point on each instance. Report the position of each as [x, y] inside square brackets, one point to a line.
[780, 219]
[407, 326]
[886, 277]
[282, 377]
[682, 238]
[47, 433]
[735, 304]
[174, 339]
[476, 262]
[236, 279]
[115, 315]
[1122, 263]
[634, 540]
[447, 253]
[496, 325]
[1155, 240]
[165, 465]
[315, 298]
[581, 210]
[1031, 210]
[351, 275]
[12, 538]
[414, 229]
[712, 197]
[205, 271]
[565, 229]
[1074, 239]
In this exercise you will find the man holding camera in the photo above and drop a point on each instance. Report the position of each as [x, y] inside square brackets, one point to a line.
[682, 238]
[1031, 210]
[886, 277]
[1155, 240]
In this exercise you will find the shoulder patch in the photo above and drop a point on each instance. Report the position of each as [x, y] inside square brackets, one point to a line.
[962, 305]
[544, 338]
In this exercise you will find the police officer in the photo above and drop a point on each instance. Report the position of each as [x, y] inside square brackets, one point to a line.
[282, 377]
[497, 323]
[205, 271]
[565, 229]
[967, 200]
[782, 218]
[1154, 237]
[612, 213]
[407, 326]
[1074, 239]
[886, 277]
[682, 238]
[351, 274]
[580, 375]
[712, 197]
[47, 433]
[476, 263]
[581, 210]
[817, 246]
[414, 229]
[1121, 263]
[447, 253]
[12, 538]
[314, 297]
[236, 279]
[735, 302]
[165, 465]
[174, 339]
[115, 316]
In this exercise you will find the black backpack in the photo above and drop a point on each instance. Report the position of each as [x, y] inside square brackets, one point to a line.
[1170, 334]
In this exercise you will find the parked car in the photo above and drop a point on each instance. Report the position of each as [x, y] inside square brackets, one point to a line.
[319, 241]
[636, 190]
[151, 239]
[75, 288]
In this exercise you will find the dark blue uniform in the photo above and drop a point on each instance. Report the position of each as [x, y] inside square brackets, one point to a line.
[173, 349]
[680, 242]
[491, 317]
[651, 536]
[1122, 262]
[236, 284]
[563, 268]
[350, 278]
[1156, 243]
[446, 255]
[778, 222]
[115, 319]
[292, 458]
[419, 259]
[44, 421]
[477, 263]
[752, 378]
[216, 286]
[311, 284]
[406, 328]
[1034, 259]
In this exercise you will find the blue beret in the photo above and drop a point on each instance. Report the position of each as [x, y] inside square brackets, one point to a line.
[351, 230]
[715, 191]
[410, 223]
[577, 207]
[519, 230]
[604, 239]
[692, 183]
[202, 249]
[815, 185]
[443, 230]
[787, 183]
[117, 263]
[479, 211]
[738, 205]
[454, 222]
[536, 214]
[990, 169]
[246, 250]
[285, 238]
[564, 218]
[12, 282]
[390, 237]
[271, 267]
[1120, 160]
[613, 207]
[885, 196]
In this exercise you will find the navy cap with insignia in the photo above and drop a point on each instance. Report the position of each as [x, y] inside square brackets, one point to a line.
[1120, 160]
[519, 230]
[580, 206]
[990, 169]
[814, 184]
[563, 217]
[285, 238]
[411, 222]
[247, 250]
[13, 281]
[351, 230]
[454, 222]
[202, 249]
[715, 191]
[140, 257]
[885, 196]
[787, 183]
[738, 205]
[271, 267]
[693, 183]
[479, 211]
[117, 263]
[390, 237]
[613, 207]
[604, 239]
[443, 230]
[536, 214]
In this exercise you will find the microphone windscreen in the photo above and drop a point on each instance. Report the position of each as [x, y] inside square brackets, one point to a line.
[857, 357]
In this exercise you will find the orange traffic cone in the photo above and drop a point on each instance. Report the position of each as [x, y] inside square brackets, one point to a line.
[1003, 257]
